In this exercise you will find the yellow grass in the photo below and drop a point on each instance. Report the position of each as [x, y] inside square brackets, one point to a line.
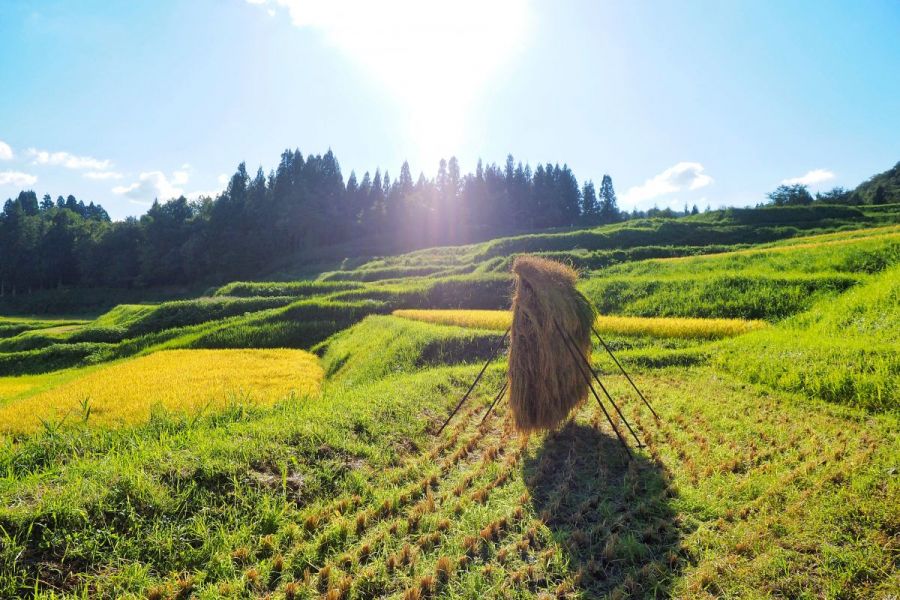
[185, 381]
[10, 387]
[675, 327]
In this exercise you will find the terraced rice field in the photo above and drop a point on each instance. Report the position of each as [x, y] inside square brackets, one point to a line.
[249, 473]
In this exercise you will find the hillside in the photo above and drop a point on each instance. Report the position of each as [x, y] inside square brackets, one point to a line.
[277, 438]
[883, 188]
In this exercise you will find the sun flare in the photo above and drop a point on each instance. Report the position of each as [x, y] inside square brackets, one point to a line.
[433, 60]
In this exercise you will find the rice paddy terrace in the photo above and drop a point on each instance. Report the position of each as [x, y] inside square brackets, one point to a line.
[279, 438]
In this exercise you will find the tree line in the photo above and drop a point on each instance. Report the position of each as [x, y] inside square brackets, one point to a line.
[883, 188]
[299, 208]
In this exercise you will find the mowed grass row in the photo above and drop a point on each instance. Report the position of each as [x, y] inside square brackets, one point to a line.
[738, 494]
[687, 328]
[183, 381]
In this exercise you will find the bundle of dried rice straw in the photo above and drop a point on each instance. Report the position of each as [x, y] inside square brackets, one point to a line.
[545, 380]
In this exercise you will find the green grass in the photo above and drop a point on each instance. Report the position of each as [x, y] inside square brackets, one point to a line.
[767, 283]
[382, 345]
[14, 326]
[845, 351]
[283, 288]
[792, 502]
[772, 472]
[714, 295]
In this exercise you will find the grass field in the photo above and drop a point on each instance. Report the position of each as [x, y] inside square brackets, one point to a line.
[178, 380]
[278, 439]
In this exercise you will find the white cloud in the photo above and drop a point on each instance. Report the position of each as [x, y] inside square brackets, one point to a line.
[811, 178]
[433, 61]
[101, 175]
[223, 179]
[683, 176]
[150, 185]
[156, 185]
[17, 178]
[67, 160]
[6, 152]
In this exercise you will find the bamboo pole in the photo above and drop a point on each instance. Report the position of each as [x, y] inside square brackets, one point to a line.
[477, 379]
[494, 403]
[574, 352]
[603, 387]
[625, 373]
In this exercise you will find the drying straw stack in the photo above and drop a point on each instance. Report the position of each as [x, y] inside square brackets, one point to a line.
[545, 377]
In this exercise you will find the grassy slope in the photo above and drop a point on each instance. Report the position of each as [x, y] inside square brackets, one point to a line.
[845, 350]
[740, 492]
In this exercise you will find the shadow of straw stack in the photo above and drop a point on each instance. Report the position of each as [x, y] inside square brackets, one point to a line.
[545, 381]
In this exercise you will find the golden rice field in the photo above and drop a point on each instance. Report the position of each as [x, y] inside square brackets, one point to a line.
[668, 327]
[187, 381]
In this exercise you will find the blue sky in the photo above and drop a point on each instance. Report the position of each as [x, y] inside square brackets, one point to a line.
[702, 102]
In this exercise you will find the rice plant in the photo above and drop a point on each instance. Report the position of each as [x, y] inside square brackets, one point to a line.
[184, 381]
[675, 327]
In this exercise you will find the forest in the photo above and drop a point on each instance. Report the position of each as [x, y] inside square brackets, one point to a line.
[303, 210]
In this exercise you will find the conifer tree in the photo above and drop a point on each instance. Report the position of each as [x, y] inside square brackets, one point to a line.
[609, 208]
[589, 207]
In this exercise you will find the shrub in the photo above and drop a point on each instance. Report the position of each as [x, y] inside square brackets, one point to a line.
[51, 358]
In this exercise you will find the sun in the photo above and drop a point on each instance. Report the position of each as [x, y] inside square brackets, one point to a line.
[435, 60]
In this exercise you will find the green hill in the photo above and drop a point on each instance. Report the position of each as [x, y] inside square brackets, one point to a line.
[883, 188]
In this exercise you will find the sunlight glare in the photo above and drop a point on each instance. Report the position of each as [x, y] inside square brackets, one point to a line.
[435, 59]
